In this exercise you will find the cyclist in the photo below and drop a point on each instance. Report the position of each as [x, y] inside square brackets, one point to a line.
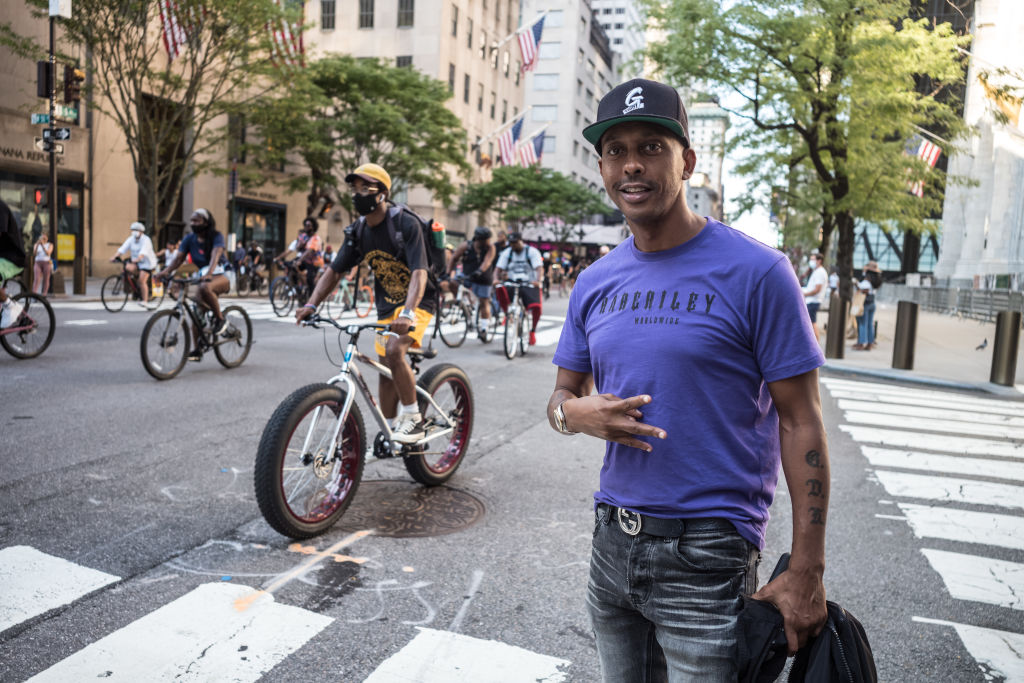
[477, 259]
[206, 247]
[12, 253]
[404, 296]
[311, 259]
[141, 259]
[521, 263]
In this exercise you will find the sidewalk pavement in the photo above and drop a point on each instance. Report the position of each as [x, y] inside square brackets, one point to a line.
[945, 355]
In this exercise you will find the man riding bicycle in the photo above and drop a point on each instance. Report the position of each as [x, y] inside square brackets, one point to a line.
[405, 299]
[141, 259]
[521, 263]
[477, 259]
[306, 246]
[206, 247]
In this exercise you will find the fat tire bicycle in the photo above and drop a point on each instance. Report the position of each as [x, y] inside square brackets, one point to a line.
[312, 453]
[167, 336]
[32, 332]
[457, 317]
[119, 287]
[349, 297]
[517, 327]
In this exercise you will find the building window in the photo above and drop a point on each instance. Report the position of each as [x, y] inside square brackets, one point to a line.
[327, 14]
[579, 57]
[519, 70]
[406, 10]
[545, 82]
[403, 61]
[465, 89]
[579, 87]
[606, 10]
[553, 19]
[494, 56]
[480, 97]
[549, 50]
[365, 13]
[617, 41]
[494, 105]
[504, 111]
[545, 112]
[576, 121]
[455, 20]
[549, 144]
[606, 27]
[469, 33]
[590, 65]
[483, 44]
[497, 12]
[451, 78]
[583, 24]
[575, 148]
[505, 59]
[619, 25]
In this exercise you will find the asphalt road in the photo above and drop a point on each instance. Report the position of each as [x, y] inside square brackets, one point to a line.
[150, 483]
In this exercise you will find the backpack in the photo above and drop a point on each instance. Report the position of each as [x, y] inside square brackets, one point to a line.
[433, 239]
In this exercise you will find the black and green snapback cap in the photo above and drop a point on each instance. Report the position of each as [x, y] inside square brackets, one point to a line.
[640, 100]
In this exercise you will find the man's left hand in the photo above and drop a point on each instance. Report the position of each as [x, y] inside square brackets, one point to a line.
[401, 325]
[800, 598]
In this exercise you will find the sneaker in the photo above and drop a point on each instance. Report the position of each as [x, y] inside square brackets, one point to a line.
[195, 356]
[220, 328]
[408, 428]
[533, 338]
[10, 311]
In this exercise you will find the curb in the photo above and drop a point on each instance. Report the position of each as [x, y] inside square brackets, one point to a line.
[895, 375]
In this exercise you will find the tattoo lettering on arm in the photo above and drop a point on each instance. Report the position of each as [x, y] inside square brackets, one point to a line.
[816, 488]
[813, 459]
[817, 516]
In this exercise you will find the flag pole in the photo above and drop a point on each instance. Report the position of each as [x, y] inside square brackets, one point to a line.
[520, 29]
[500, 129]
[529, 138]
[932, 135]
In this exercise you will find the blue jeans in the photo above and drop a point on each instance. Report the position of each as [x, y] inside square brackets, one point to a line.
[866, 325]
[664, 609]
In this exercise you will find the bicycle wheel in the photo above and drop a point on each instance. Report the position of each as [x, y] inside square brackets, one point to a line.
[513, 324]
[364, 301]
[262, 285]
[166, 340]
[525, 325]
[113, 293]
[39, 322]
[242, 282]
[281, 296]
[435, 460]
[305, 479]
[454, 322]
[155, 301]
[487, 328]
[233, 347]
[334, 305]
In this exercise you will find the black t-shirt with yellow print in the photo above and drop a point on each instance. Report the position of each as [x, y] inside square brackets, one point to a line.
[392, 268]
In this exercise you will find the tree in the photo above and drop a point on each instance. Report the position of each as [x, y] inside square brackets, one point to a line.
[363, 110]
[827, 93]
[170, 111]
[534, 195]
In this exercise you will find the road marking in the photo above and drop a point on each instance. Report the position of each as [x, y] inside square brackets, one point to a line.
[935, 425]
[1000, 654]
[939, 399]
[950, 464]
[84, 323]
[444, 657]
[474, 586]
[35, 583]
[198, 637]
[1007, 408]
[912, 409]
[934, 442]
[951, 489]
[979, 579]
[965, 526]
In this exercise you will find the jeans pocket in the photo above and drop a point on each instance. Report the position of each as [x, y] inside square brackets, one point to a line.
[713, 551]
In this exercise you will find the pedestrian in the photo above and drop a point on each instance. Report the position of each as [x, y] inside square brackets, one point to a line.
[43, 265]
[719, 388]
[870, 281]
[816, 290]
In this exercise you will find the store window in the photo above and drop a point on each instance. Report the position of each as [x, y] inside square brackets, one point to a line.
[327, 14]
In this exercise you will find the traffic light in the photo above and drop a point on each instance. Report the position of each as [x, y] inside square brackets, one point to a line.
[42, 197]
[73, 78]
[44, 79]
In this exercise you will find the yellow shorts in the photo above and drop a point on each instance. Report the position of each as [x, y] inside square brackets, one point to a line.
[421, 325]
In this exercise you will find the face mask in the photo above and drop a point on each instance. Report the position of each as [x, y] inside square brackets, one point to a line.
[364, 204]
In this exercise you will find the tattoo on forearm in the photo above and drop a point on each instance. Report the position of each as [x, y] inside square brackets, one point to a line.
[813, 459]
[817, 516]
[816, 488]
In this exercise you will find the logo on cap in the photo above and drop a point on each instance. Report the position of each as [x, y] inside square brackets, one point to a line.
[634, 100]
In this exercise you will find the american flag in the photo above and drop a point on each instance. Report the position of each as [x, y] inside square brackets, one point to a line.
[174, 34]
[929, 153]
[507, 142]
[529, 42]
[532, 150]
[287, 47]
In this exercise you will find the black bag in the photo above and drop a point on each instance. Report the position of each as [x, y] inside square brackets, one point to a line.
[433, 239]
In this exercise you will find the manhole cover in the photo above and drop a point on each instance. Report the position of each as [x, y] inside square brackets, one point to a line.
[408, 510]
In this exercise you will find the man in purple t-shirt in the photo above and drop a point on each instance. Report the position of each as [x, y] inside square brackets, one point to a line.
[705, 365]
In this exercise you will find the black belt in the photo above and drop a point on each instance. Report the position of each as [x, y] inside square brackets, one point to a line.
[633, 523]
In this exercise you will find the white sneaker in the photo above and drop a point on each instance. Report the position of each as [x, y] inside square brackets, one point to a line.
[408, 428]
[10, 311]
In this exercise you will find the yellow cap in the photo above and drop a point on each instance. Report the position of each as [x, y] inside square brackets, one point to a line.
[371, 173]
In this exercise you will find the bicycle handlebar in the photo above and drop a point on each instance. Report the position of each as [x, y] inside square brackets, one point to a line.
[315, 320]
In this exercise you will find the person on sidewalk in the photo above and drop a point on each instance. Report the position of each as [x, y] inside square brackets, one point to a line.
[870, 281]
[816, 291]
[43, 265]
[721, 390]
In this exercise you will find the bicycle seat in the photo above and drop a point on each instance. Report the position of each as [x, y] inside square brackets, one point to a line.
[421, 354]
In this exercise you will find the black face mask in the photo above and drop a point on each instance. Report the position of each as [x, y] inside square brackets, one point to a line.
[364, 204]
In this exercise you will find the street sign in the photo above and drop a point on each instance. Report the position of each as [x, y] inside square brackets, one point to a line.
[60, 8]
[58, 133]
[65, 112]
[44, 146]
[40, 118]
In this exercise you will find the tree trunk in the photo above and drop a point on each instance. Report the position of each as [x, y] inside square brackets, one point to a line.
[844, 253]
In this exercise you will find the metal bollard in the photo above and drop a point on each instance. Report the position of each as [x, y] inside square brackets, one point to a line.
[906, 336]
[1004, 352]
[835, 332]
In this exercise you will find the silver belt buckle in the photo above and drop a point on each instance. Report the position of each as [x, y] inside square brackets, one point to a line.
[629, 521]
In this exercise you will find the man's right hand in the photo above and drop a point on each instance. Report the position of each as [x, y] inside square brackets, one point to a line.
[611, 418]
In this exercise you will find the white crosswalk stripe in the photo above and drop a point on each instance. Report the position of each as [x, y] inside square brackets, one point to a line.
[940, 454]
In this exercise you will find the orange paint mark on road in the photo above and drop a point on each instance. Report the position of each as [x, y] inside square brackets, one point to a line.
[311, 550]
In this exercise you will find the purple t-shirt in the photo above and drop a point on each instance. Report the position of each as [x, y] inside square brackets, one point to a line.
[700, 328]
